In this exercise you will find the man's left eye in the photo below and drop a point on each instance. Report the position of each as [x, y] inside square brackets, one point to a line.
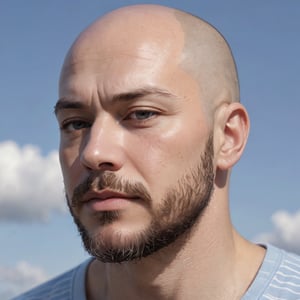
[141, 115]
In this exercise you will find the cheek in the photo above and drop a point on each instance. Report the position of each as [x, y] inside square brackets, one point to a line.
[163, 157]
[69, 161]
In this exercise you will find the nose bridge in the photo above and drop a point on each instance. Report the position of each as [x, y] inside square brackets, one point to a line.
[102, 147]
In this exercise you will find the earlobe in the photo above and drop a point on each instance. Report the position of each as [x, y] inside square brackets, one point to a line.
[234, 131]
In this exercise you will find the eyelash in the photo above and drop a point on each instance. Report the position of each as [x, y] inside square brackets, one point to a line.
[142, 112]
[66, 124]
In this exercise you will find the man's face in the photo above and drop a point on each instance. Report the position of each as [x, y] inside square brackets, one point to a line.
[136, 149]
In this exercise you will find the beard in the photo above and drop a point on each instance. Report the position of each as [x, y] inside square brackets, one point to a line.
[181, 207]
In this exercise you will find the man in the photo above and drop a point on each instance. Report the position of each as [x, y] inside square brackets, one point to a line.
[151, 126]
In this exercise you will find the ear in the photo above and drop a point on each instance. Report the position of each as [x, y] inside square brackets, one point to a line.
[232, 130]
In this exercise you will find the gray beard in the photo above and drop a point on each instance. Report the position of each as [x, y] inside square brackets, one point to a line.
[181, 208]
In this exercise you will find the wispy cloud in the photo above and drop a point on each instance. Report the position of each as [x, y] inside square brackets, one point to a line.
[286, 232]
[31, 185]
[18, 279]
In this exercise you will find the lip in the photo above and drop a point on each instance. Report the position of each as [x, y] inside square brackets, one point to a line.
[107, 200]
[105, 195]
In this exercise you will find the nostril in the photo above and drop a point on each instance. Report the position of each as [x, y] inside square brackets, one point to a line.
[106, 165]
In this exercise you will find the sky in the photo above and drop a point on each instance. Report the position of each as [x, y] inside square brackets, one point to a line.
[38, 237]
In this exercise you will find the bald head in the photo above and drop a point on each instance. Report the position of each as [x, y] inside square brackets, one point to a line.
[166, 36]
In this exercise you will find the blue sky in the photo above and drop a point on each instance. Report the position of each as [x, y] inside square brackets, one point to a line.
[38, 237]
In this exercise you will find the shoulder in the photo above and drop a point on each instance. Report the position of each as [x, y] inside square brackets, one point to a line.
[286, 278]
[278, 277]
[61, 287]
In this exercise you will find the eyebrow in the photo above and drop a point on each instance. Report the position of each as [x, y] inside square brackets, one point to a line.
[64, 103]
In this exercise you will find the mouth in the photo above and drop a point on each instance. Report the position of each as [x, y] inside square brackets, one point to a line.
[107, 200]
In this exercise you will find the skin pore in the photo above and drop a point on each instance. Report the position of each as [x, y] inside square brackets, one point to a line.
[142, 91]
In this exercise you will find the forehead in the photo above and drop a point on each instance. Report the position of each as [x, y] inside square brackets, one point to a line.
[118, 54]
[112, 76]
[115, 72]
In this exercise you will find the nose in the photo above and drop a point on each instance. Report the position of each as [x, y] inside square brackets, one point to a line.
[102, 148]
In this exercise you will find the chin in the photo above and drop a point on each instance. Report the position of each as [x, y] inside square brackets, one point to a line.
[115, 240]
[119, 235]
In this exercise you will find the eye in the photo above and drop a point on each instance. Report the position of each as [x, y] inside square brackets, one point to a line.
[75, 125]
[141, 115]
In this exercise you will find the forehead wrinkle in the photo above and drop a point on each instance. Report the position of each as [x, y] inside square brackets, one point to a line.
[73, 60]
[141, 93]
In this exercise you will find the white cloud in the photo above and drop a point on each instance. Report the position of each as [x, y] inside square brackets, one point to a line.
[286, 233]
[31, 185]
[18, 279]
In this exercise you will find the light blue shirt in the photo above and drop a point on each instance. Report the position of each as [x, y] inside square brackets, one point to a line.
[277, 279]
[68, 286]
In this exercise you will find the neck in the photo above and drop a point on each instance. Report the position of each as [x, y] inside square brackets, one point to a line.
[211, 262]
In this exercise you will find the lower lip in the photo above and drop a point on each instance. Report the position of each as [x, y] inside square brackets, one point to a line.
[108, 204]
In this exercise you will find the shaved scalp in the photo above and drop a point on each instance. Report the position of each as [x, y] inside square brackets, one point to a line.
[200, 50]
[208, 56]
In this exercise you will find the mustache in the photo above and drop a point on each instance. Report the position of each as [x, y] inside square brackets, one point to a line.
[107, 180]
